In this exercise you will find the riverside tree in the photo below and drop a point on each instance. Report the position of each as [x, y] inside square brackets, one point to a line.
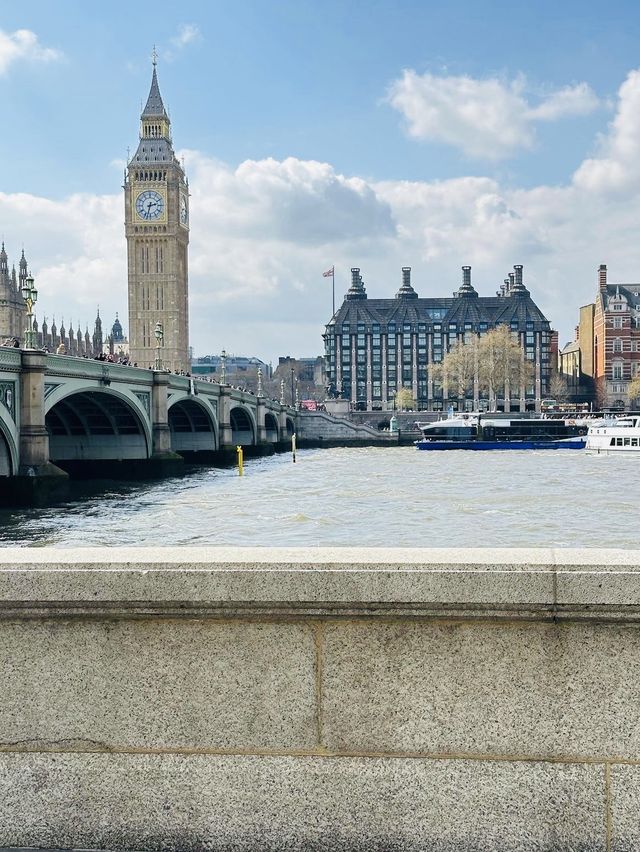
[458, 367]
[634, 391]
[496, 358]
[404, 399]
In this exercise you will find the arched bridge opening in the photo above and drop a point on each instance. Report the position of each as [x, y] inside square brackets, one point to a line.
[290, 427]
[192, 430]
[242, 431]
[6, 468]
[271, 428]
[90, 432]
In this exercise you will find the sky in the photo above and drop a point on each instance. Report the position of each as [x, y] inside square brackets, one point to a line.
[357, 134]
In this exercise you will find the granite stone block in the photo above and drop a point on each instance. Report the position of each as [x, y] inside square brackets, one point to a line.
[625, 808]
[246, 804]
[158, 684]
[482, 688]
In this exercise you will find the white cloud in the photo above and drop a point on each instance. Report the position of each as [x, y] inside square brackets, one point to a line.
[262, 234]
[619, 167]
[488, 119]
[23, 44]
[571, 100]
[187, 33]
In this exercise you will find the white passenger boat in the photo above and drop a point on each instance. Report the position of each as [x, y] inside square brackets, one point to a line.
[610, 437]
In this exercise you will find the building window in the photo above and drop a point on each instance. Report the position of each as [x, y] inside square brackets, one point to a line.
[617, 307]
[617, 345]
[617, 322]
[617, 370]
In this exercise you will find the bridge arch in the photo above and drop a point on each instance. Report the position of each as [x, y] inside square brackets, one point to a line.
[243, 426]
[272, 433]
[290, 426]
[193, 427]
[96, 424]
[8, 447]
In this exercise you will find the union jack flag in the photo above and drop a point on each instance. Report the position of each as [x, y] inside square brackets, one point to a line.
[328, 273]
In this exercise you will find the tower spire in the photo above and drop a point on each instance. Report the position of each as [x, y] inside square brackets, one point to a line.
[154, 107]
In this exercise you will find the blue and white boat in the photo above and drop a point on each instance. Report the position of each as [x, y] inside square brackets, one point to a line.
[480, 432]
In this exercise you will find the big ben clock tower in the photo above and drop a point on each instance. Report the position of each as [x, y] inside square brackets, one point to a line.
[156, 203]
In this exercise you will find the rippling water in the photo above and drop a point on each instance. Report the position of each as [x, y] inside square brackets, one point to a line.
[373, 496]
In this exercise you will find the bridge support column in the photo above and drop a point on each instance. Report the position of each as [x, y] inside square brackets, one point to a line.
[164, 460]
[38, 479]
[224, 418]
[282, 424]
[261, 429]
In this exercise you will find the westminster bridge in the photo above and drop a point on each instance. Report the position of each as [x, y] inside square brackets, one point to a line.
[60, 414]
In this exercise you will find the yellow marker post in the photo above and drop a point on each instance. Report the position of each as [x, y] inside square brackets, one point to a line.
[240, 460]
[293, 446]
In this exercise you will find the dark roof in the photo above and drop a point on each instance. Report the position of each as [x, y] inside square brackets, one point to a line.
[518, 308]
[631, 292]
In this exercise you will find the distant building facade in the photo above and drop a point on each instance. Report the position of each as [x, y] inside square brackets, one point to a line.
[116, 343]
[69, 341]
[373, 347]
[239, 369]
[606, 349]
[13, 311]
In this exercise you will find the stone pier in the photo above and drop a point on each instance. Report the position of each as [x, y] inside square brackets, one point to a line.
[320, 699]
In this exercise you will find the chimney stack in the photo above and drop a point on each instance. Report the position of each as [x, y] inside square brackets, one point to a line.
[355, 276]
[466, 276]
[406, 276]
[518, 274]
[602, 276]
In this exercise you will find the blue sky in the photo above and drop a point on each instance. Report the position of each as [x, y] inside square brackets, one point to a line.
[374, 134]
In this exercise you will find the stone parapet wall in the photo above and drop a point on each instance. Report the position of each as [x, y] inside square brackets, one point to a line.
[320, 699]
[316, 427]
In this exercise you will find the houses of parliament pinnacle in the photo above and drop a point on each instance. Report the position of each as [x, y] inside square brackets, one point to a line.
[156, 213]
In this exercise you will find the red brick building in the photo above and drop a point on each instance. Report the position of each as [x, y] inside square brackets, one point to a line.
[609, 341]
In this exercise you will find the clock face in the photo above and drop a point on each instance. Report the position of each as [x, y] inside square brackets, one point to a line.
[184, 215]
[149, 205]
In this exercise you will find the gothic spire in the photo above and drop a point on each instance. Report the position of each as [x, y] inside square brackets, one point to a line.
[155, 107]
[4, 266]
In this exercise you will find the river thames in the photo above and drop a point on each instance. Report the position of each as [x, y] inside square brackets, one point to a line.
[392, 496]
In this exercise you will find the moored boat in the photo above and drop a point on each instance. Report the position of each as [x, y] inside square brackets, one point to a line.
[475, 432]
[615, 436]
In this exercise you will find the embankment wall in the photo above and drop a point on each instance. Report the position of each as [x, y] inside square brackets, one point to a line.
[318, 429]
[320, 699]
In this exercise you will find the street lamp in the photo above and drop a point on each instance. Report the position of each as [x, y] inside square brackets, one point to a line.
[259, 389]
[159, 333]
[297, 398]
[293, 402]
[223, 367]
[30, 295]
[281, 391]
